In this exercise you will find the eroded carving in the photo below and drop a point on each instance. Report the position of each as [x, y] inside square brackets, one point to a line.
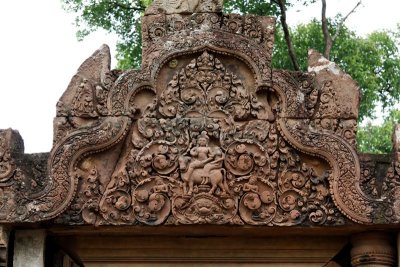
[7, 165]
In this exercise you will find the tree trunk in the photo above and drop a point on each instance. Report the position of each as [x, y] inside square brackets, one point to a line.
[285, 27]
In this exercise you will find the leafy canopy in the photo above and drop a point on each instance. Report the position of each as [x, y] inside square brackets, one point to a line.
[121, 17]
[378, 138]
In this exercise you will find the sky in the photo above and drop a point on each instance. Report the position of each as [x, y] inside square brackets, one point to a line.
[39, 54]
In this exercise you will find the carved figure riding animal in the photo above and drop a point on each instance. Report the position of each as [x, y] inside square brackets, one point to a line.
[203, 167]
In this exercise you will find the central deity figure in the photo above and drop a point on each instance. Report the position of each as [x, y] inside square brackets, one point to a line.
[203, 166]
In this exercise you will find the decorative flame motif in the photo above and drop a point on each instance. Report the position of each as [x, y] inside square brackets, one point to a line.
[204, 88]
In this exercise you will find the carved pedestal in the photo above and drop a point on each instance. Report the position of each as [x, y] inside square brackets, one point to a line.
[372, 249]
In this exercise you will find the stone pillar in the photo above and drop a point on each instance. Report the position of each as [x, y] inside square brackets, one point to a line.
[4, 236]
[29, 246]
[398, 249]
[373, 249]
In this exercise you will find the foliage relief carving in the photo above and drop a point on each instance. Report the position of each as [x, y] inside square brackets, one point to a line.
[207, 150]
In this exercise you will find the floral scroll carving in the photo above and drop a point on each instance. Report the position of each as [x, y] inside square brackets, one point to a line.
[321, 135]
[204, 133]
[37, 192]
[208, 150]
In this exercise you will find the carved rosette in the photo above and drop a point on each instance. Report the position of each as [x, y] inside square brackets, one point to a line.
[152, 206]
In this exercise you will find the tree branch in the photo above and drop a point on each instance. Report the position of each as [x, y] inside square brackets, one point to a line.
[285, 27]
[328, 39]
[128, 7]
[328, 42]
[344, 19]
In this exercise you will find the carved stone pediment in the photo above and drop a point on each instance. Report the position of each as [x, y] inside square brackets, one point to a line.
[206, 132]
[207, 150]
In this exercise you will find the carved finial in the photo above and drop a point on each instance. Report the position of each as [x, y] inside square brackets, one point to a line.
[184, 6]
[80, 97]
[205, 62]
